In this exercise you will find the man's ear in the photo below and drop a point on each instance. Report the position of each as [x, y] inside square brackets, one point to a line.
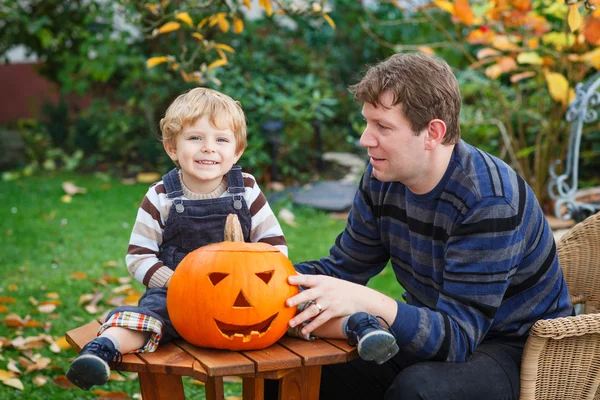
[171, 151]
[436, 131]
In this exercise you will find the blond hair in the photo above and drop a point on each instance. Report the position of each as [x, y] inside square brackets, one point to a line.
[222, 111]
[423, 85]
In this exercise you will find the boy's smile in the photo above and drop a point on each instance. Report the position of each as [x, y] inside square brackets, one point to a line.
[205, 153]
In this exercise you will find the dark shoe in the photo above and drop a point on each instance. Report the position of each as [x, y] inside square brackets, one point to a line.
[374, 342]
[92, 367]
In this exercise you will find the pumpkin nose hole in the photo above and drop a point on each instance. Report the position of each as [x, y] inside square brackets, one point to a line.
[265, 276]
[241, 301]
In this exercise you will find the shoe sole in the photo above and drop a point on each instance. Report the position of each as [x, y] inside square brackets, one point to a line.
[377, 346]
[86, 372]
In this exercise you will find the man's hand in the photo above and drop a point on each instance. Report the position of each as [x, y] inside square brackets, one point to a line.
[334, 297]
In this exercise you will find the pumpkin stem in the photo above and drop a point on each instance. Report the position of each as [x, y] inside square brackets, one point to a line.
[233, 229]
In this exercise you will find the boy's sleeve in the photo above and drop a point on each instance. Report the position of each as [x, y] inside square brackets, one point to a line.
[146, 237]
[265, 226]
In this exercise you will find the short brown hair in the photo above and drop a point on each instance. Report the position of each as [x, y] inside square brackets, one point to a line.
[423, 85]
[223, 112]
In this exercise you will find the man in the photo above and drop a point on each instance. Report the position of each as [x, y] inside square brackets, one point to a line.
[466, 238]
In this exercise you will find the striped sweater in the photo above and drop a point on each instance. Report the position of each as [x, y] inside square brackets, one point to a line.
[475, 255]
[147, 234]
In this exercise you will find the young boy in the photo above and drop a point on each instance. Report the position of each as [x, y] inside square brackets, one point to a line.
[204, 133]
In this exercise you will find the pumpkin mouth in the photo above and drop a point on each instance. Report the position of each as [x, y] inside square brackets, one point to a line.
[245, 332]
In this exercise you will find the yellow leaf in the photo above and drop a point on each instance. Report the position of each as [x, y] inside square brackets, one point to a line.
[504, 43]
[147, 177]
[203, 22]
[316, 7]
[426, 50]
[174, 66]
[66, 198]
[79, 275]
[223, 25]
[12, 287]
[62, 343]
[222, 54]
[558, 86]
[168, 27]
[185, 17]
[248, 4]
[267, 6]
[3, 308]
[574, 17]
[224, 47]
[329, 20]
[154, 61]
[592, 57]
[493, 71]
[218, 63]
[464, 12]
[15, 383]
[238, 25]
[52, 295]
[4, 375]
[533, 43]
[487, 52]
[198, 36]
[559, 39]
[445, 5]
[530, 58]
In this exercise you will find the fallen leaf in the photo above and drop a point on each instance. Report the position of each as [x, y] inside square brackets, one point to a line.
[3, 308]
[79, 275]
[12, 287]
[121, 289]
[52, 295]
[39, 365]
[39, 380]
[110, 264]
[124, 279]
[148, 177]
[33, 301]
[54, 302]
[132, 299]
[85, 298]
[116, 301]
[47, 308]
[63, 382]
[115, 376]
[12, 366]
[4, 374]
[287, 216]
[71, 189]
[15, 383]
[13, 320]
[7, 300]
[33, 323]
[110, 395]
[65, 198]
[62, 343]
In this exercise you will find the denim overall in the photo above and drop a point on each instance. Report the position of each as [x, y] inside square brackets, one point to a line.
[191, 224]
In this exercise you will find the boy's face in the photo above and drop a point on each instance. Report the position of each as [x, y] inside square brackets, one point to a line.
[205, 154]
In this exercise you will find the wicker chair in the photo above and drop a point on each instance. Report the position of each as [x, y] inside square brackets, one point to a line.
[561, 359]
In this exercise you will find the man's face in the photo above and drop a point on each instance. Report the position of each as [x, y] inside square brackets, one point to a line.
[396, 153]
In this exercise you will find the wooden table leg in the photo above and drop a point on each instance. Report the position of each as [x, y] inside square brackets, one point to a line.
[253, 389]
[214, 388]
[161, 386]
[303, 384]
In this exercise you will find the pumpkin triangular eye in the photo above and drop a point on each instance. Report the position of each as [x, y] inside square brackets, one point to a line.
[265, 276]
[217, 277]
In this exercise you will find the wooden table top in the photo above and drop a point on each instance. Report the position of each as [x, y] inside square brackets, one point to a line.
[182, 358]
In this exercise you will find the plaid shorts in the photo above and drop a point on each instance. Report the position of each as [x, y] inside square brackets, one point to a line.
[137, 322]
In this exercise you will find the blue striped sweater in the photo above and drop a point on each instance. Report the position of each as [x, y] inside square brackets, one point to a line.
[475, 255]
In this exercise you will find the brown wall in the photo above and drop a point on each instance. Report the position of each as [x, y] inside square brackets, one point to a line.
[23, 92]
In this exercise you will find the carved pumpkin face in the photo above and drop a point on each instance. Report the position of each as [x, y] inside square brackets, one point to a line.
[231, 295]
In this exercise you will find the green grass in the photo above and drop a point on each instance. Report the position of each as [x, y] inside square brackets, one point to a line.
[43, 241]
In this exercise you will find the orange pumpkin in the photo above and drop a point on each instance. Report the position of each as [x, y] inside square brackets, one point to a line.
[231, 295]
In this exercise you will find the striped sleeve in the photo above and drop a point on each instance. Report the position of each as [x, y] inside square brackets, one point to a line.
[481, 255]
[146, 237]
[358, 253]
[265, 226]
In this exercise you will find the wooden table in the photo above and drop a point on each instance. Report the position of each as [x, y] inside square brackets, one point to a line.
[294, 362]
